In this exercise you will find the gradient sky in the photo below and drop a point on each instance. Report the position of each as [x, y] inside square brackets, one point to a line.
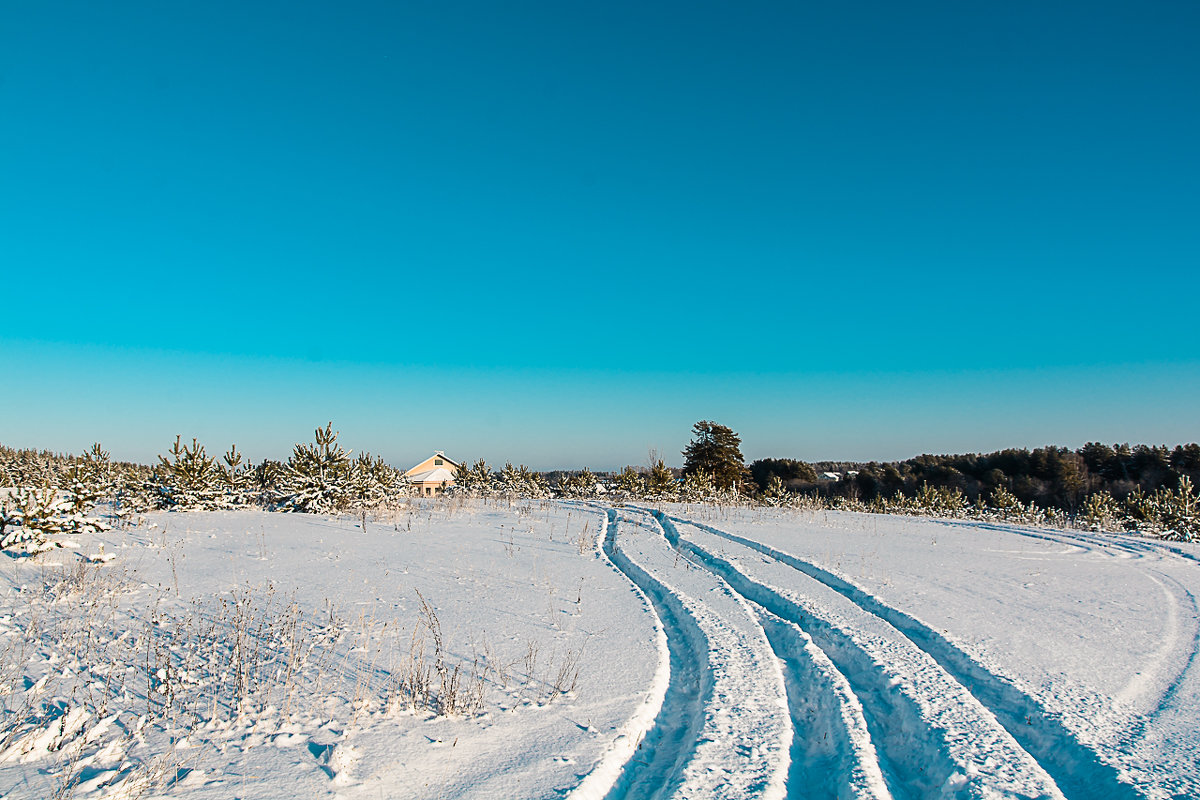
[560, 233]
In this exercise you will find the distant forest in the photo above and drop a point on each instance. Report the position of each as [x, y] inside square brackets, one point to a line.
[1051, 477]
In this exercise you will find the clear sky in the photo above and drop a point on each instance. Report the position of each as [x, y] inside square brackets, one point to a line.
[561, 232]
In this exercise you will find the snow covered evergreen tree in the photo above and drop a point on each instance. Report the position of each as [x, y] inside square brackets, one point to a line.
[582, 485]
[189, 480]
[89, 480]
[661, 483]
[630, 482]
[372, 482]
[464, 480]
[776, 494]
[237, 480]
[534, 484]
[510, 482]
[698, 487]
[716, 449]
[28, 515]
[1099, 511]
[478, 480]
[316, 479]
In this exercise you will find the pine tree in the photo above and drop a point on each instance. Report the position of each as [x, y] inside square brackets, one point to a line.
[475, 480]
[510, 483]
[237, 479]
[698, 487]
[371, 482]
[533, 483]
[28, 515]
[316, 479]
[464, 480]
[660, 483]
[775, 494]
[1099, 511]
[716, 450]
[630, 482]
[87, 482]
[189, 479]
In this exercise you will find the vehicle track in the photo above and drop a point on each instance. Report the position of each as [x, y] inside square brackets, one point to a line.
[1076, 770]
[722, 729]
[1134, 545]
[654, 767]
[933, 737]
[1139, 549]
[832, 755]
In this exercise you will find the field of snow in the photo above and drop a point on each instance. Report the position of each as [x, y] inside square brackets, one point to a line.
[556, 649]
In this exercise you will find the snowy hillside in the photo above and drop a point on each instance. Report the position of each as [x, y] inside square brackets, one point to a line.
[494, 650]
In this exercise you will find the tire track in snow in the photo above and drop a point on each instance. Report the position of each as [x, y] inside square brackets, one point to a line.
[1177, 775]
[931, 739]
[613, 767]
[1091, 541]
[1076, 769]
[649, 765]
[1169, 694]
[1182, 774]
[832, 754]
[723, 730]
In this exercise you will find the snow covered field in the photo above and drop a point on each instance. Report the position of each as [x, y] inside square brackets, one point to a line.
[539, 649]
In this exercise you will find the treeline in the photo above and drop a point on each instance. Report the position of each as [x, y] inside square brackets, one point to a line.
[1051, 477]
[1141, 488]
[43, 493]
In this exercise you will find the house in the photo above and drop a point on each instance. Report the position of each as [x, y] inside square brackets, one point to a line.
[434, 475]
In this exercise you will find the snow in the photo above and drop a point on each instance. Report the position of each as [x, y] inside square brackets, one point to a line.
[436, 474]
[461, 648]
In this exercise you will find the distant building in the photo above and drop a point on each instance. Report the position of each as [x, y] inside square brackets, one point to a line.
[830, 476]
[434, 475]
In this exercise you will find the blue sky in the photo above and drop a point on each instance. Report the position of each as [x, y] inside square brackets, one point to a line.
[561, 233]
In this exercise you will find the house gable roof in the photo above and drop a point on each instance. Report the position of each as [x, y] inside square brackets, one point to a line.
[428, 464]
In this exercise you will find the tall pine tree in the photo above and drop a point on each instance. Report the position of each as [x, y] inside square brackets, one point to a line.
[716, 450]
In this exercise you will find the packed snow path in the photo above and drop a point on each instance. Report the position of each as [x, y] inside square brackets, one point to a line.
[877, 703]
